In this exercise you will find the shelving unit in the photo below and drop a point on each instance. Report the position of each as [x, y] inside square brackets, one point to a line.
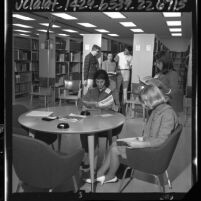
[35, 61]
[180, 63]
[22, 67]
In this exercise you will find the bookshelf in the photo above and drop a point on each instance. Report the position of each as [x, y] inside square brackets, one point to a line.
[22, 66]
[180, 63]
[35, 61]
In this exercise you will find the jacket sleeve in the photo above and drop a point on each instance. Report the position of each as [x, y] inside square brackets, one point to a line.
[86, 67]
[167, 125]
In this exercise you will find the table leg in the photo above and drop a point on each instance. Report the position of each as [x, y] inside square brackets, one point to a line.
[91, 159]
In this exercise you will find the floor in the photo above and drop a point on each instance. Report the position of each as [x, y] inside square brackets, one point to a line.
[179, 169]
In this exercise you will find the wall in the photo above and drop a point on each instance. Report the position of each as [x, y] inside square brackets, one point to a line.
[176, 44]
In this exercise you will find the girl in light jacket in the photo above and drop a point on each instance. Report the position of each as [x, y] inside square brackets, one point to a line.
[162, 121]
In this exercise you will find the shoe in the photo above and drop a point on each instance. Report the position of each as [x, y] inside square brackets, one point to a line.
[84, 167]
[100, 179]
[115, 179]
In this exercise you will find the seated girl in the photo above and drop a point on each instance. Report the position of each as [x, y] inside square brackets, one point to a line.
[98, 97]
[162, 121]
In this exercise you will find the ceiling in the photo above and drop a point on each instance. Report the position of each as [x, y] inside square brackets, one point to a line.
[149, 22]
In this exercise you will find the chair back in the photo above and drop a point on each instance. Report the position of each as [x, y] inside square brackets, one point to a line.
[154, 160]
[37, 165]
[18, 109]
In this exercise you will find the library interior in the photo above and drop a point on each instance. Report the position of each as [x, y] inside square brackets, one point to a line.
[63, 123]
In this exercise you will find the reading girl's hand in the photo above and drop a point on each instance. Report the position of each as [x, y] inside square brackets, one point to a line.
[135, 144]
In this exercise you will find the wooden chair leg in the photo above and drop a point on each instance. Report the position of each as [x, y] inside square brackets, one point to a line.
[75, 184]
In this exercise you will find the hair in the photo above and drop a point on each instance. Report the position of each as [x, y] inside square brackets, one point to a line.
[152, 95]
[101, 74]
[95, 47]
[164, 57]
[128, 48]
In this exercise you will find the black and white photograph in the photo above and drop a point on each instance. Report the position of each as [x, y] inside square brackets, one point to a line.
[100, 99]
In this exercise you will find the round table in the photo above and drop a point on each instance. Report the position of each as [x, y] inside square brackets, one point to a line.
[98, 121]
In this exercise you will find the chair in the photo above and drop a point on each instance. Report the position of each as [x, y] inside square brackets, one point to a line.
[71, 91]
[19, 109]
[152, 160]
[38, 166]
[41, 92]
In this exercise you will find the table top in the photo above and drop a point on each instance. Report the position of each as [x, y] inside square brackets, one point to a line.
[98, 121]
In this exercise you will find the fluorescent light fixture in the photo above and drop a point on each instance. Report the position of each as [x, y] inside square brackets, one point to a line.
[44, 30]
[22, 25]
[102, 30]
[24, 35]
[114, 15]
[174, 23]
[82, 34]
[128, 24]
[176, 34]
[137, 30]
[47, 24]
[70, 30]
[23, 31]
[171, 14]
[61, 34]
[86, 25]
[175, 29]
[37, 33]
[22, 17]
[113, 34]
[64, 16]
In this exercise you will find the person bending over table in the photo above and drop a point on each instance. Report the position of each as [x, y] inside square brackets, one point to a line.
[161, 123]
[100, 97]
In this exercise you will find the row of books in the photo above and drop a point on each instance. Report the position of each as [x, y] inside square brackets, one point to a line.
[22, 55]
[34, 56]
[178, 54]
[35, 76]
[69, 56]
[35, 44]
[61, 69]
[34, 67]
[22, 67]
[21, 78]
[22, 88]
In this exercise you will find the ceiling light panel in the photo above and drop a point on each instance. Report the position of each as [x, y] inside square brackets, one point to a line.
[44, 30]
[128, 24]
[23, 31]
[24, 35]
[137, 30]
[112, 34]
[70, 30]
[47, 24]
[22, 17]
[64, 16]
[63, 34]
[174, 23]
[176, 34]
[102, 30]
[171, 14]
[86, 25]
[114, 15]
[22, 25]
[175, 29]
